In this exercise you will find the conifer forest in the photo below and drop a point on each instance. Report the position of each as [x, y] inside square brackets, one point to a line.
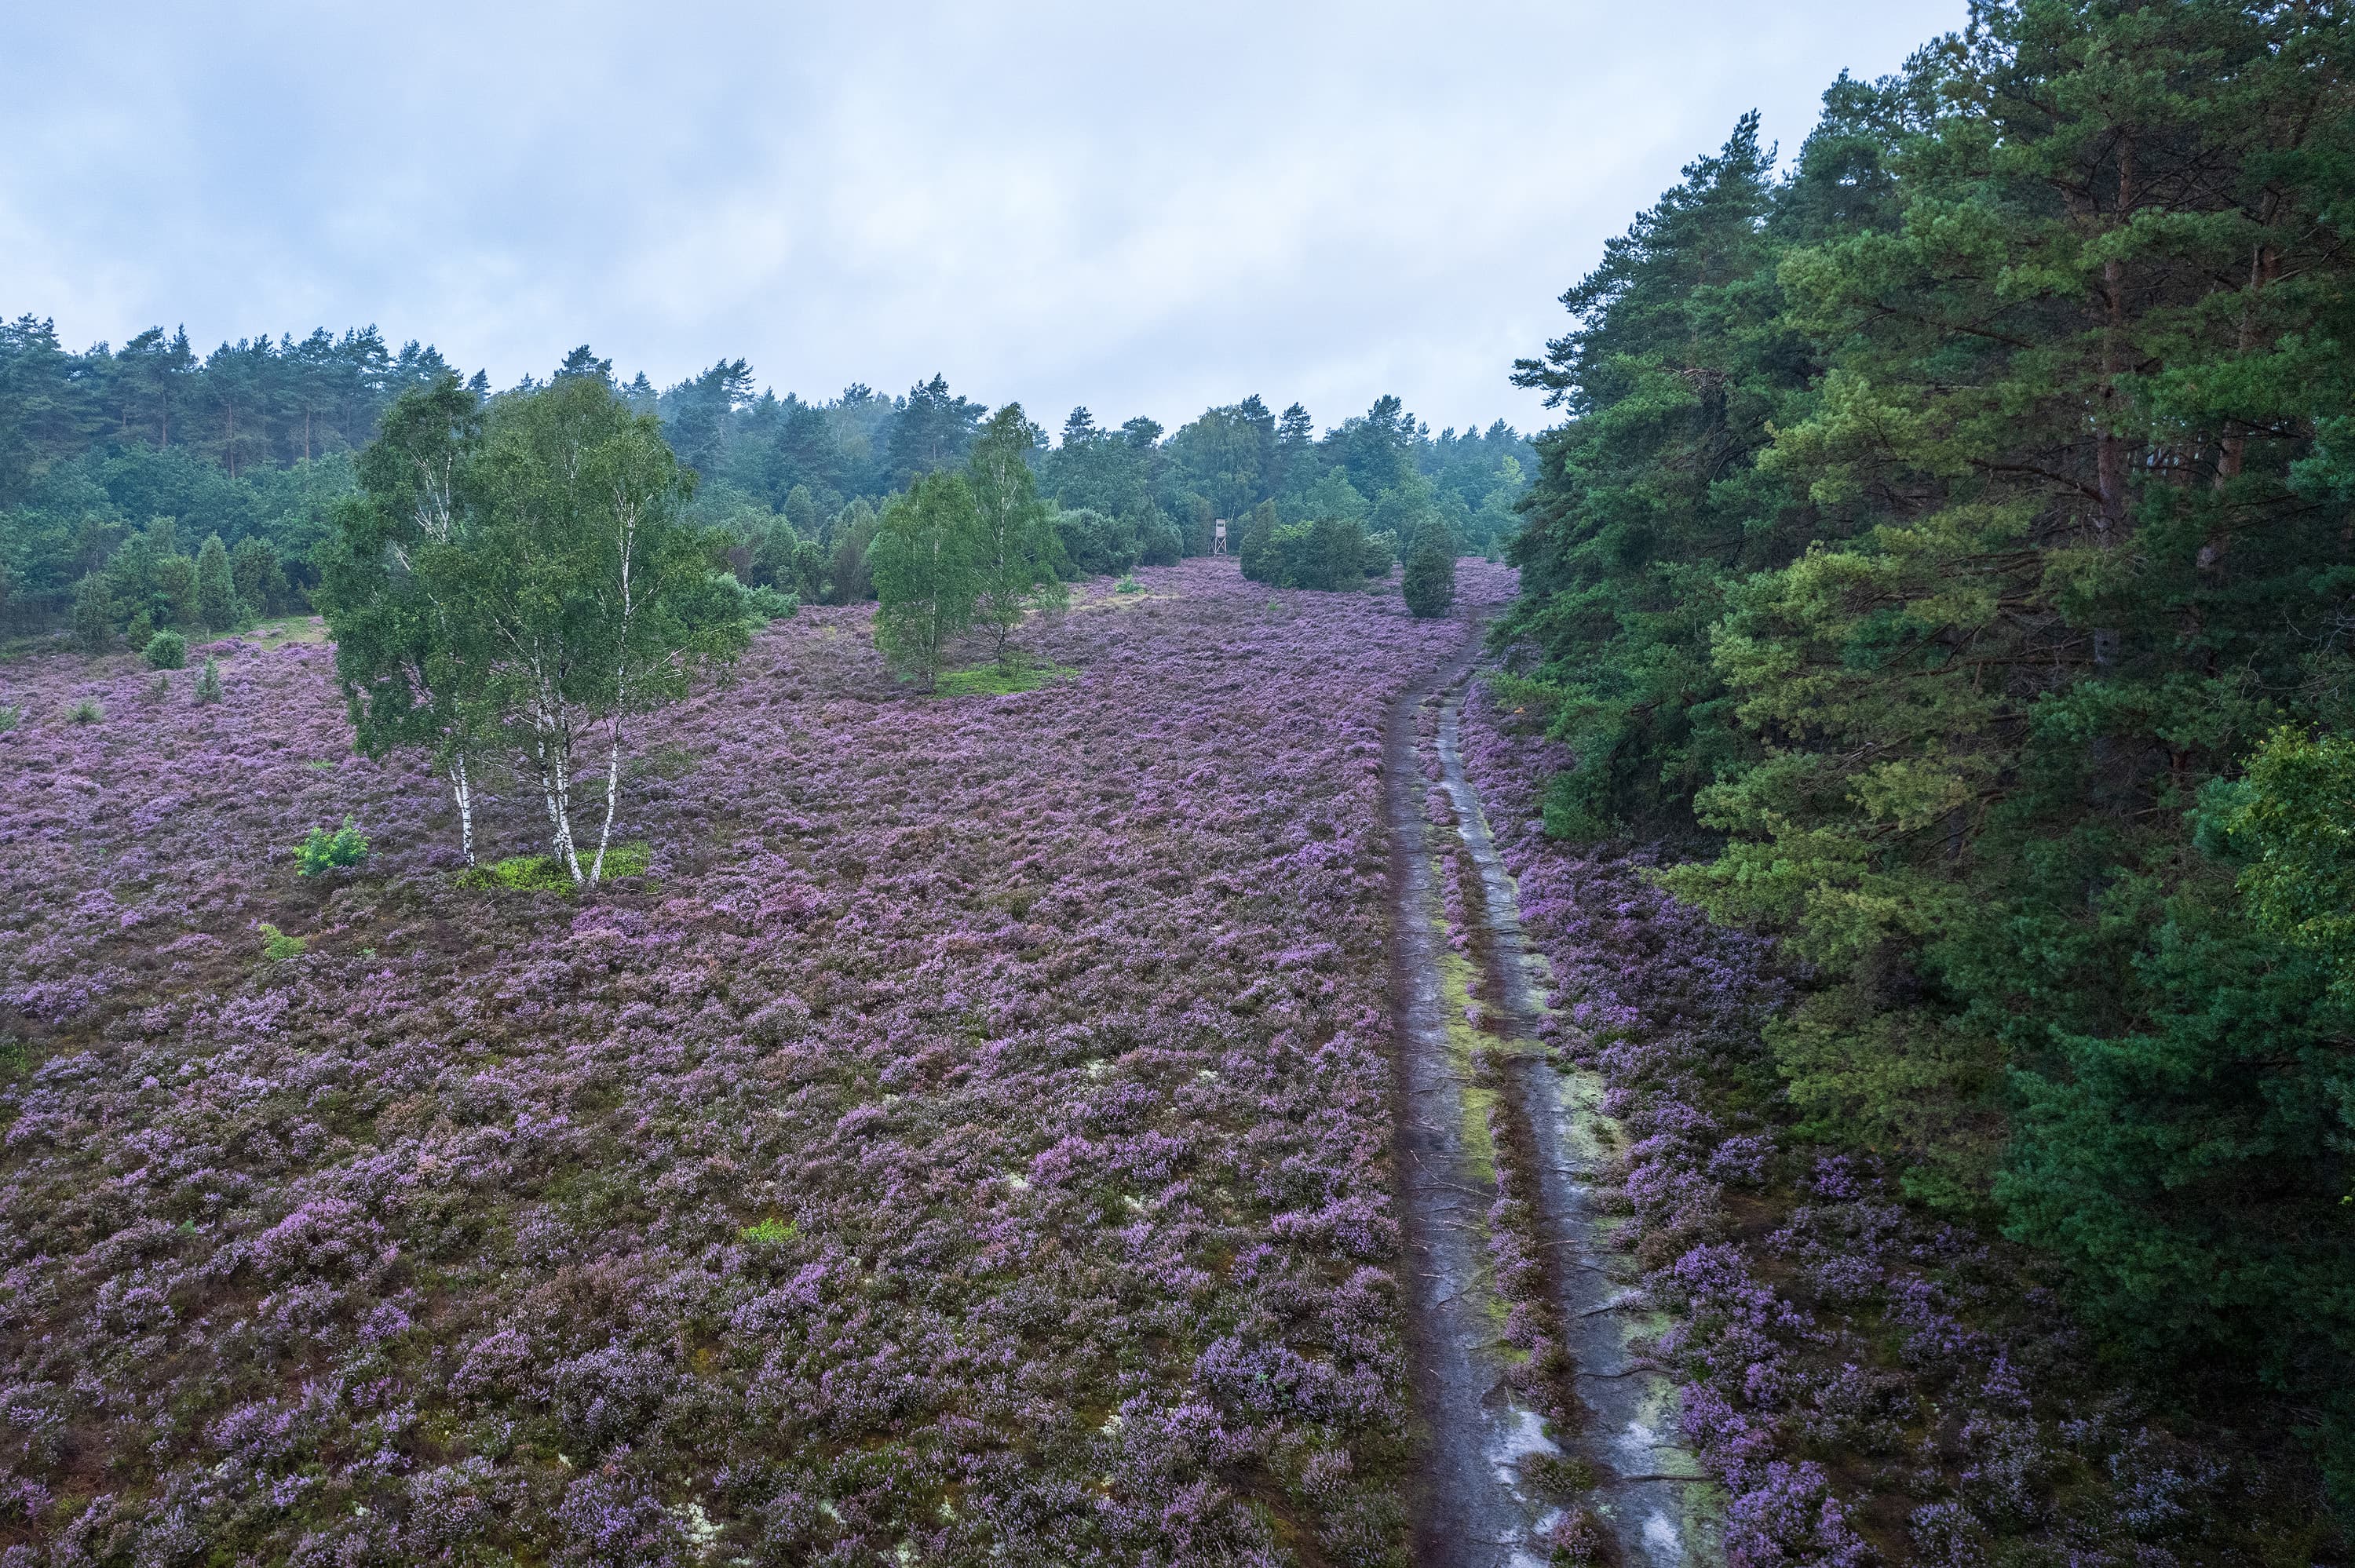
[599, 973]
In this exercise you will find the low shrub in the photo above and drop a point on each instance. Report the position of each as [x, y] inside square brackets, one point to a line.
[324, 851]
[277, 946]
[1128, 585]
[10, 717]
[208, 684]
[762, 604]
[86, 711]
[167, 650]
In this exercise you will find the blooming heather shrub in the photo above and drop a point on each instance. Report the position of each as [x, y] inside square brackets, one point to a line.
[968, 1074]
[1921, 1364]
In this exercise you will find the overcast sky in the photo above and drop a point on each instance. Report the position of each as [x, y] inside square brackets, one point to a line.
[1146, 209]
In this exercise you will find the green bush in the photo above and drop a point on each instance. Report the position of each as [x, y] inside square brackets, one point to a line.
[762, 604]
[1096, 545]
[1128, 585]
[208, 684]
[10, 717]
[1330, 553]
[1429, 582]
[277, 946]
[324, 851]
[86, 711]
[167, 650]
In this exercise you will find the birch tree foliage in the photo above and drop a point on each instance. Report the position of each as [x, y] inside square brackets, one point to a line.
[925, 583]
[1014, 543]
[593, 601]
[411, 667]
[517, 579]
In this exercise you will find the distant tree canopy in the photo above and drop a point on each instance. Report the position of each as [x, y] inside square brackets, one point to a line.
[255, 443]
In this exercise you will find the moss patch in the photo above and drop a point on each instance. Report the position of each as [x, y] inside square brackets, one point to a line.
[547, 873]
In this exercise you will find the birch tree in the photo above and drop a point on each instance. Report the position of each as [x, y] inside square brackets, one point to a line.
[519, 579]
[923, 564]
[595, 602]
[1013, 532]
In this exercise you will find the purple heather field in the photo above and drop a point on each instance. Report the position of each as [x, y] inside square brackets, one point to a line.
[965, 1144]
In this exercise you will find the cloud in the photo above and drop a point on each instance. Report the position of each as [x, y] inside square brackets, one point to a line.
[1143, 210]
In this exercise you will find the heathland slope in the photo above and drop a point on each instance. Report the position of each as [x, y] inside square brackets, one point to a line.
[964, 1142]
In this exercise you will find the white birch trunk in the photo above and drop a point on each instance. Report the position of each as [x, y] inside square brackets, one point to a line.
[463, 788]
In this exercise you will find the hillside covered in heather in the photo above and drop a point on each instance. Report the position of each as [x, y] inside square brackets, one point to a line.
[968, 1132]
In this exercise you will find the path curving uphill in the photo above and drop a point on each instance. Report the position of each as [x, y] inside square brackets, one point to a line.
[1542, 1427]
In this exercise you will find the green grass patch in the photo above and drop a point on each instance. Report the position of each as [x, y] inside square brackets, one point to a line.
[996, 680]
[547, 873]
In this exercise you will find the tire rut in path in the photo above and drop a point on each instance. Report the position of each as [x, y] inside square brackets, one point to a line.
[1482, 1499]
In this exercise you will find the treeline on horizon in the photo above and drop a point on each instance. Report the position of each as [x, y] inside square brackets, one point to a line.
[117, 467]
[1951, 546]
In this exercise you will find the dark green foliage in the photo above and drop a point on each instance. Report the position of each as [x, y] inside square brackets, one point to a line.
[1096, 545]
[322, 851]
[1429, 586]
[847, 578]
[1330, 553]
[256, 576]
[1936, 534]
[86, 711]
[216, 605]
[209, 682]
[1159, 542]
[94, 613]
[166, 651]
